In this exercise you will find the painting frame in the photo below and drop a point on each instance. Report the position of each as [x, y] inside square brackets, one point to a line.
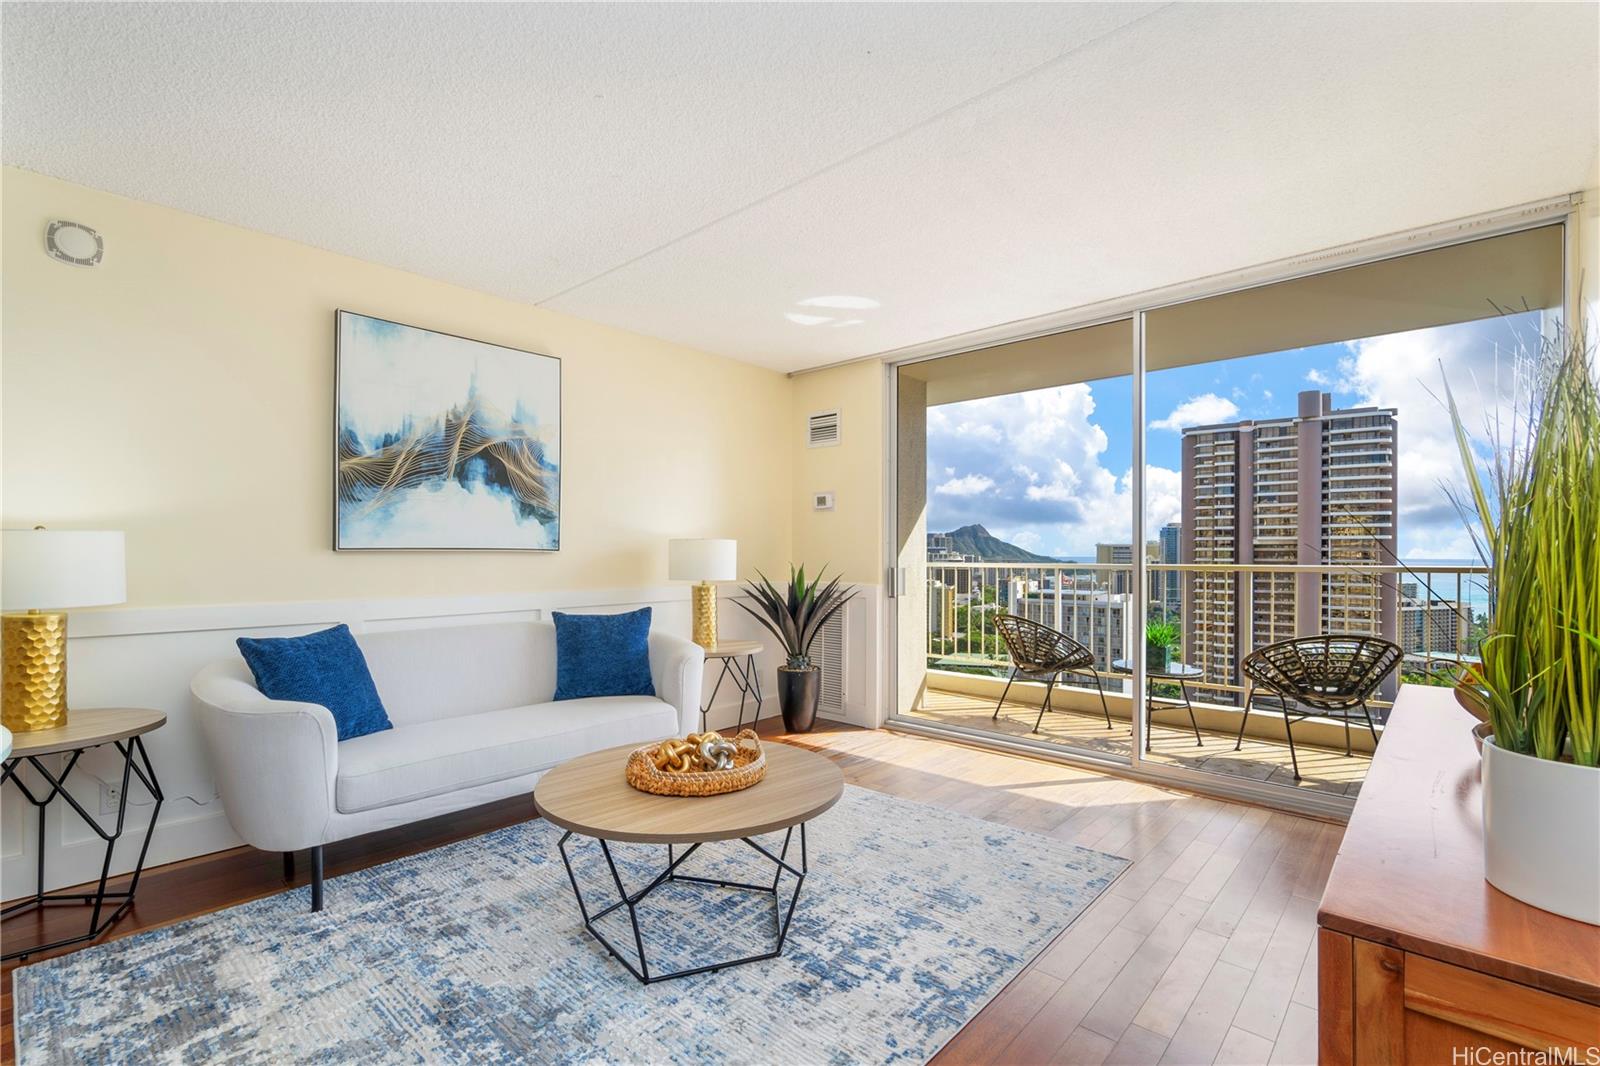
[342, 541]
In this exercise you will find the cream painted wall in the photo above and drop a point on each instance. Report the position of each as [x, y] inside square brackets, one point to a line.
[849, 539]
[182, 391]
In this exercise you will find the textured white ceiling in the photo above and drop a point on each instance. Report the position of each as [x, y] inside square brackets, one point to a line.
[693, 172]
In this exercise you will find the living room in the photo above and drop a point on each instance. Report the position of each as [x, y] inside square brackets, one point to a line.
[776, 533]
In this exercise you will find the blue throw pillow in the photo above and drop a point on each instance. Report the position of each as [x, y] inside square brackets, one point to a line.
[603, 655]
[326, 668]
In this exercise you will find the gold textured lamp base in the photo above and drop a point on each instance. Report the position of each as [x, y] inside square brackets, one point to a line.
[705, 614]
[35, 680]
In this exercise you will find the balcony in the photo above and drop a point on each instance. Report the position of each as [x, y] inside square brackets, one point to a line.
[1224, 611]
[1323, 767]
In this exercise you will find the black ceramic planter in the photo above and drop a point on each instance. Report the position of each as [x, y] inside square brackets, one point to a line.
[798, 692]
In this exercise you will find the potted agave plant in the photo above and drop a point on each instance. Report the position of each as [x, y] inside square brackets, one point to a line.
[1533, 509]
[795, 615]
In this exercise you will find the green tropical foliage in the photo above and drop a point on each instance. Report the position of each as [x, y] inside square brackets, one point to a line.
[1161, 634]
[796, 613]
[1533, 510]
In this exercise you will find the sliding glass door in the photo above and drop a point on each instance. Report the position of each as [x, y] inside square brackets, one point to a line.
[1288, 453]
[1304, 477]
[1014, 551]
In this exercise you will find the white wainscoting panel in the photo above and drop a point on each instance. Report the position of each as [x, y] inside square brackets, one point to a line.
[145, 657]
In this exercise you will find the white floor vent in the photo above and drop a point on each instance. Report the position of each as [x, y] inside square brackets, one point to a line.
[830, 656]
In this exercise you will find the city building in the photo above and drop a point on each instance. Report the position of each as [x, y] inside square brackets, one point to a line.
[1114, 555]
[1168, 586]
[1317, 488]
[1430, 626]
[1095, 618]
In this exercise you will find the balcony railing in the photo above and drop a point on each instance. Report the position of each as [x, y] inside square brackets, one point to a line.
[1223, 611]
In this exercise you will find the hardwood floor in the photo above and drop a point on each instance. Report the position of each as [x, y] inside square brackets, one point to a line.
[1203, 951]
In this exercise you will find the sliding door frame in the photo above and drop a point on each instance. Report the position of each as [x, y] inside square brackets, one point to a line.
[1561, 210]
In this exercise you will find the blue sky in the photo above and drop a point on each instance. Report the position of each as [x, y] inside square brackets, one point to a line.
[1051, 470]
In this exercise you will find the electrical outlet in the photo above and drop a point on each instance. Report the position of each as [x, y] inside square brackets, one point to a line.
[110, 797]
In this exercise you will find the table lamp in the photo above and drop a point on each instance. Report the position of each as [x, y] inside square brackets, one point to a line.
[703, 561]
[41, 571]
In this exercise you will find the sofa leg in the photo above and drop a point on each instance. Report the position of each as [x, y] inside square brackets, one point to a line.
[316, 878]
[288, 866]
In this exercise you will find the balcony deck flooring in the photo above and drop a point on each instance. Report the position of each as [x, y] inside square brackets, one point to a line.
[1321, 769]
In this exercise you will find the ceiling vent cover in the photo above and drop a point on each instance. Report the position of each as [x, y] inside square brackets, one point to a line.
[822, 429]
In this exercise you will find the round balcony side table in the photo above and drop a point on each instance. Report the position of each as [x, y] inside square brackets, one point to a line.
[123, 727]
[739, 663]
[1182, 673]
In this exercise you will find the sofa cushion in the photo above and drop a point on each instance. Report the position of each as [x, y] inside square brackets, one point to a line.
[429, 758]
[603, 654]
[444, 671]
[325, 668]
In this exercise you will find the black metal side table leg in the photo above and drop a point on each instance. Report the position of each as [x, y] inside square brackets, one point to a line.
[145, 772]
[1183, 687]
[749, 683]
[704, 711]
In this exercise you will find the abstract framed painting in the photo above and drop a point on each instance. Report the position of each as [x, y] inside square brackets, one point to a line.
[443, 443]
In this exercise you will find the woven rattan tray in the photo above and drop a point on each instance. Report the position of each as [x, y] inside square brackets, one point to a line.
[750, 766]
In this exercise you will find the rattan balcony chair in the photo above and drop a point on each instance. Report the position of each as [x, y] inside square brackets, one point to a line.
[1039, 653]
[1330, 675]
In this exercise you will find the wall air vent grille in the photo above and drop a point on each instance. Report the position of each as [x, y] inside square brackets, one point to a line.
[830, 656]
[822, 429]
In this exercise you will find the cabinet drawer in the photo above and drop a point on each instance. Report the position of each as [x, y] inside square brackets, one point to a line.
[1410, 1009]
[1486, 1006]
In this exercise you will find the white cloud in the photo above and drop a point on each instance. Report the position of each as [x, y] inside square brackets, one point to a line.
[970, 485]
[1317, 377]
[1406, 371]
[1200, 410]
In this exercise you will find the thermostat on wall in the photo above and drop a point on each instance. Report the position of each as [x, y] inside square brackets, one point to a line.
[822, 501]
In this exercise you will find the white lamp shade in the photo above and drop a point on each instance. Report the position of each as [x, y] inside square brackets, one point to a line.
[50, 568]
[702, 560]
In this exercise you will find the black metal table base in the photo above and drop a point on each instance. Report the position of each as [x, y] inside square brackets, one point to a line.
[1151, 707]
[745, 678]
[783, 912]
[100, 919]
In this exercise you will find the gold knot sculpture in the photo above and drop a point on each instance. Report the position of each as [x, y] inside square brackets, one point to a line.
[696, 753]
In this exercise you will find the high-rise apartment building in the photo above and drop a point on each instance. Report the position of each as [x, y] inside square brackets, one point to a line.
[1315, 489]
[1170, 582]
[1114, 555]
[1431, 627]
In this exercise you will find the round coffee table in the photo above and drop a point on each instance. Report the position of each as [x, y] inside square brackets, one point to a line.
[590, 797]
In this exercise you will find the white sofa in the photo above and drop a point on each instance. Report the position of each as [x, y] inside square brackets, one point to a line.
[474, 721]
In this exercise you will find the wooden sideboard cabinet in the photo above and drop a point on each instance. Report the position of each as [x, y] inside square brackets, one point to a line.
[1420, 960]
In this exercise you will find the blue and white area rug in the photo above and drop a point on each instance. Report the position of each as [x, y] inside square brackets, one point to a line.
[911, 918]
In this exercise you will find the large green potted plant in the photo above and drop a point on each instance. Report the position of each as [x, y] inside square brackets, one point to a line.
[1534, 512]
[795, 615]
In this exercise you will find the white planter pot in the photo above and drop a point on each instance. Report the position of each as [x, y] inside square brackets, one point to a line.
[1541, 828]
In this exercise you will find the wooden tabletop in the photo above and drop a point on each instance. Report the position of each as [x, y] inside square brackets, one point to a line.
[735, 649]
[590, 795]
[1410, 870]
[85, 729]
